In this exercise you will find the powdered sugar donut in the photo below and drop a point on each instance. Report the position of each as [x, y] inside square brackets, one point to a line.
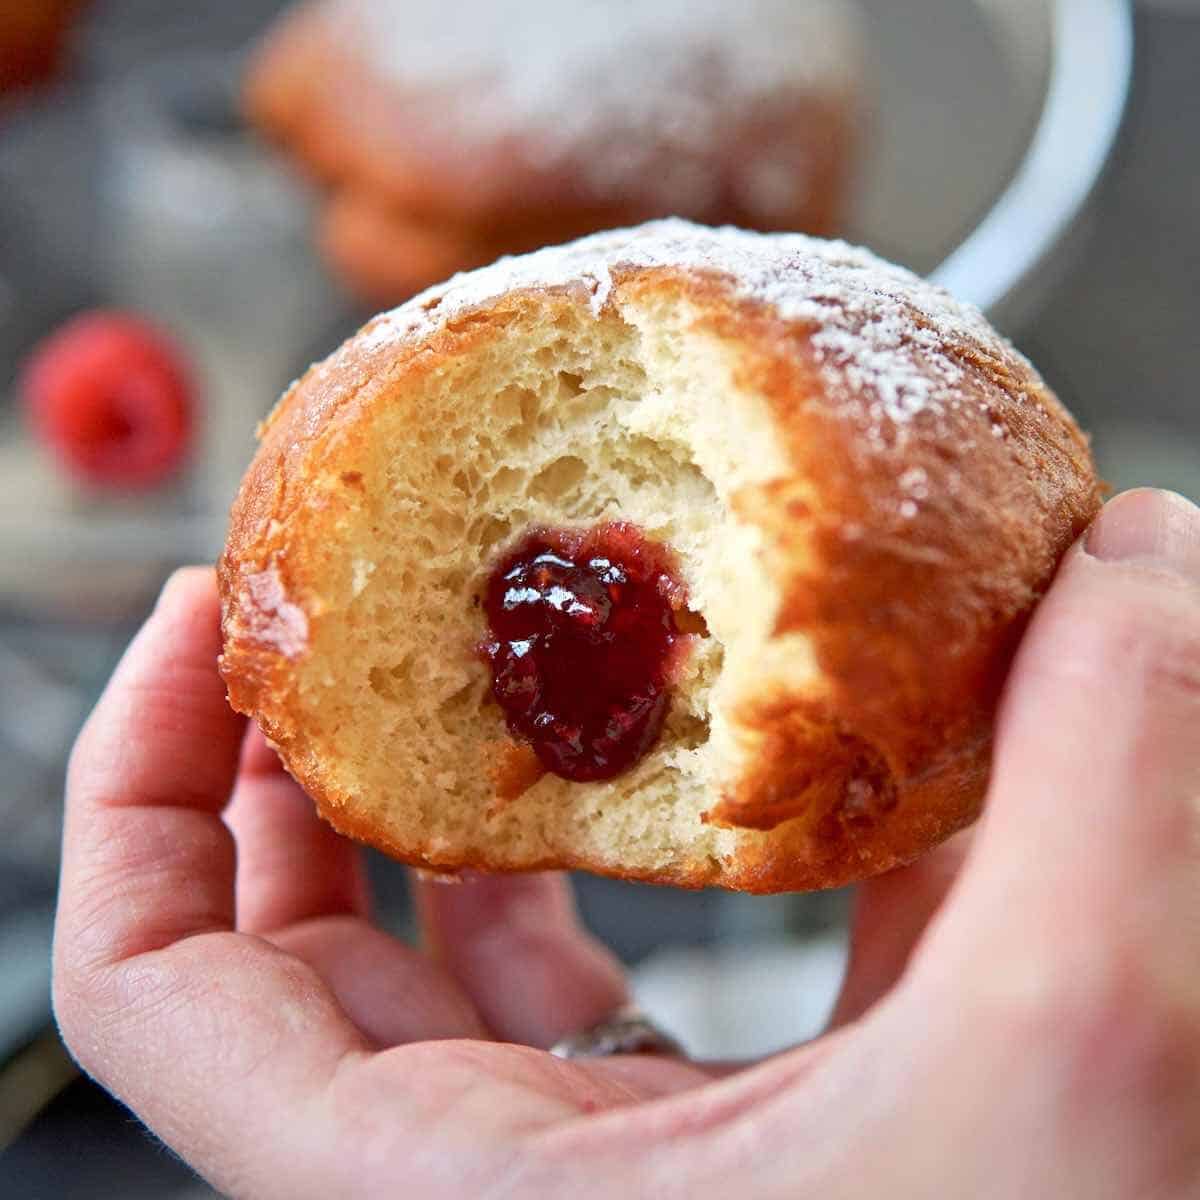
[687, 555]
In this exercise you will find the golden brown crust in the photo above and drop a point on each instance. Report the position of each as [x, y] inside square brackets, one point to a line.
[845, 848]
[407, 210]
[913, 610]
[914, 615]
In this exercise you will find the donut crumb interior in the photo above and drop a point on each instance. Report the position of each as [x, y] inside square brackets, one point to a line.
[566, 418]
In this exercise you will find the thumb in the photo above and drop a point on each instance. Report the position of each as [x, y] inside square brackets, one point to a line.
[1089, 852]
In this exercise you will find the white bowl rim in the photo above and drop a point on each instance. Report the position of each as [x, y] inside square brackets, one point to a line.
[1090, 78]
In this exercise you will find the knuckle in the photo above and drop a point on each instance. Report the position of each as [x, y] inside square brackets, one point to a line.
[1113, 1031]
[1144, 638]
[73, 995]
[82, 752]
[1168, 660]
[1152, 639]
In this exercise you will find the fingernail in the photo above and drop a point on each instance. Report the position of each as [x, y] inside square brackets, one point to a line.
[1151, 527]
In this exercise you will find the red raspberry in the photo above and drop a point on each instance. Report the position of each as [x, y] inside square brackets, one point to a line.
[110, 396]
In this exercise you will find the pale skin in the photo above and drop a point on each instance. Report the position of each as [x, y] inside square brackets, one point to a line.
[1021, 1016]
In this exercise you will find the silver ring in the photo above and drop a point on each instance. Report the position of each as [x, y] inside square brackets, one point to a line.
[627, 1031]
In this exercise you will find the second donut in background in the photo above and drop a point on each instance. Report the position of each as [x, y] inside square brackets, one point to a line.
[447, 136]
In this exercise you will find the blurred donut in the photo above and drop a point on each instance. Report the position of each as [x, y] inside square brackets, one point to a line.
[510, 124]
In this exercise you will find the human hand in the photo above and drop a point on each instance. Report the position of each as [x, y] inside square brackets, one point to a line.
[1021, 1015]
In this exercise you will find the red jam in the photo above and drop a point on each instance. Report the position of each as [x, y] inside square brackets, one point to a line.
[581, 629]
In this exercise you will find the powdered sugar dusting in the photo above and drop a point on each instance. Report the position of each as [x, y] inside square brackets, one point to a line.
[644, 91]
[877, 330]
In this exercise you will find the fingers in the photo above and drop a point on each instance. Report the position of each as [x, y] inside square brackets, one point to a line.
[202, 1031]
[890, 916]
[392, 992]
[146, 860]
[292, 867]
[304, 886]
[1087, 874]
[515, 946]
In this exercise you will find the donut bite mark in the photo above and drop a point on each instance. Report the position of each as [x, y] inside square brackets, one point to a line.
[856, 491]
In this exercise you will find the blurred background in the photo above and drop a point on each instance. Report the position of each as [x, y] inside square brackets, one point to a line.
[1027, 152]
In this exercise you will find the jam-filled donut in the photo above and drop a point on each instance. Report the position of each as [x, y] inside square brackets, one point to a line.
[447, 138]
[678, 554]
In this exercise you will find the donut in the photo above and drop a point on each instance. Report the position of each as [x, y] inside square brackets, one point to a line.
[687, 555]
[505, 125]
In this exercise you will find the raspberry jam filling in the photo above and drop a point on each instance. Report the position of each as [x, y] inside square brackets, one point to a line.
[581, 641]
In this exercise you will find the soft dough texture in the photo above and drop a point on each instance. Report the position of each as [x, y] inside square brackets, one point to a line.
[448, 138]
[866, 489]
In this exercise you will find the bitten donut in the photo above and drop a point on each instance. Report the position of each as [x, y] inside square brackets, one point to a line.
[448, 136]
[676, 554]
